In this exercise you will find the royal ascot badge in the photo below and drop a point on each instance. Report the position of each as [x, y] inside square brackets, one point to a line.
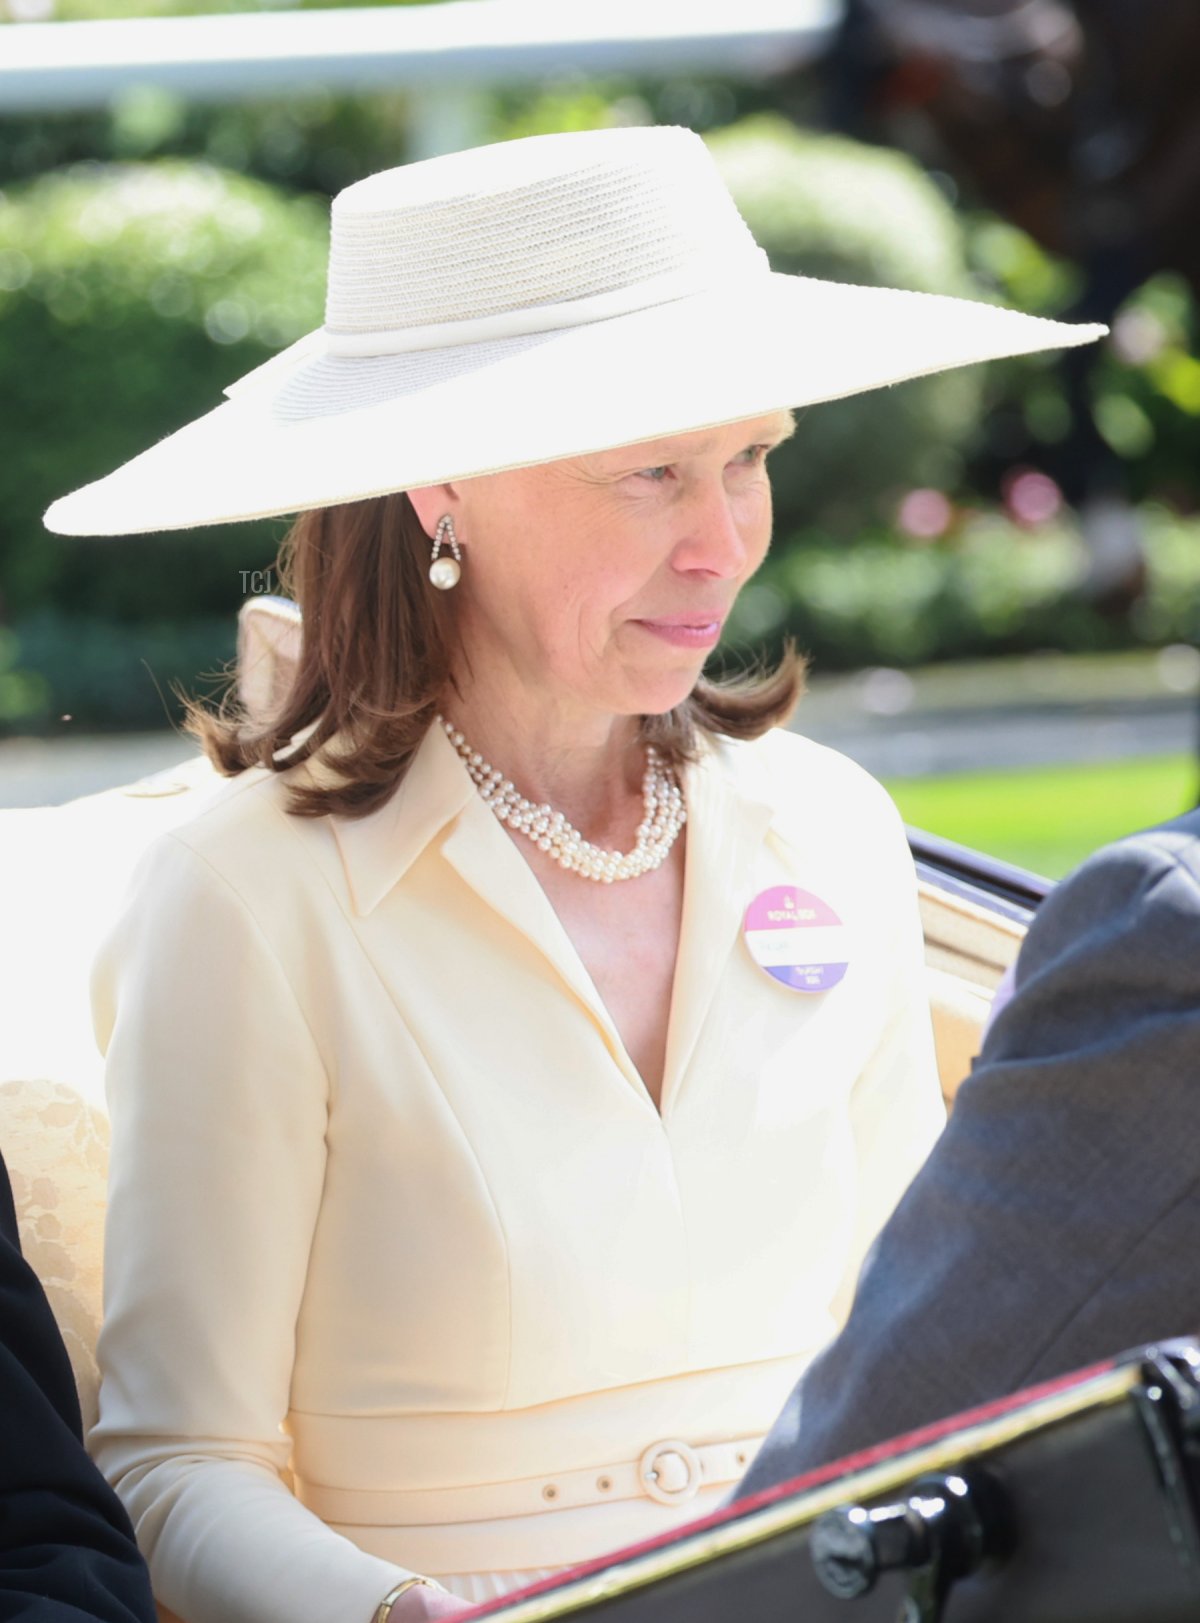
[797, 938]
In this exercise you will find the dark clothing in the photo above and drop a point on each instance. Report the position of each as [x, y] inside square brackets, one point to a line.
[1057, 1219]
[67, 1552]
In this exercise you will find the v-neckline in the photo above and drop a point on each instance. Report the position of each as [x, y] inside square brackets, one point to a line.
[490, 862]
[725, 829]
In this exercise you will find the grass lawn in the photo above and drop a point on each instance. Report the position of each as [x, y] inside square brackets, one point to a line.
[1049, 818]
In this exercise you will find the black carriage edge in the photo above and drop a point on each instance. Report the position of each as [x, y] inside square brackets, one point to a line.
[1076, 1501]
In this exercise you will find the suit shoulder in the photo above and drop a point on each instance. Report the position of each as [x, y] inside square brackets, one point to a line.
[1140, 891]
[1138, 860]
[1176, 841]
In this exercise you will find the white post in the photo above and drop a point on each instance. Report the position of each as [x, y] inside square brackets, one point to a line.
[447, 118]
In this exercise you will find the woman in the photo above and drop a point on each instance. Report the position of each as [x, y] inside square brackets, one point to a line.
[491, 1149]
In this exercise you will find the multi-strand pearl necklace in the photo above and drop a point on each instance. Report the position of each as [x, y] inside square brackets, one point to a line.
[663, 815]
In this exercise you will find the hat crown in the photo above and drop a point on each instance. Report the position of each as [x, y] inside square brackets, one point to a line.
[543, 221]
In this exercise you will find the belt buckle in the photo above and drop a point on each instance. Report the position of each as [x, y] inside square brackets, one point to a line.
[670, 1472]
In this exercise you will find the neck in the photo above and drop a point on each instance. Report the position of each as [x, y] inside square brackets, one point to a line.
[587, 766]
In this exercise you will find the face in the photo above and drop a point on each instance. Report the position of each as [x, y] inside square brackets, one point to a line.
[602, 582]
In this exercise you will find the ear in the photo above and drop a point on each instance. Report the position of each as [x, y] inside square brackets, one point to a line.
[431, 502]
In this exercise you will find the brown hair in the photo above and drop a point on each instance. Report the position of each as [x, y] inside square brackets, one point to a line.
[376, 653]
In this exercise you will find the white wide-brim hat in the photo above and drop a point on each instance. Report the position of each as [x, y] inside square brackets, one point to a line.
[528, 301]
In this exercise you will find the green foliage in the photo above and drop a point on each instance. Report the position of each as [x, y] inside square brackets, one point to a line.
[1005, 258]
[132, 292]
[129, 295]
[310, 141]
[93, 10]
[825, 206]
[1146, 389]
[1145, 381]
[995, 589]
[104, 675]
[554, 111]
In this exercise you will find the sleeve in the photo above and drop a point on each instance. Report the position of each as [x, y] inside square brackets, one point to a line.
[67, 1552]
[218, 1098]
[897, 1110]
[1055, 1220]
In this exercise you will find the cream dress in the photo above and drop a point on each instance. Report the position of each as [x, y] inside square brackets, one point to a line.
[405, 1271]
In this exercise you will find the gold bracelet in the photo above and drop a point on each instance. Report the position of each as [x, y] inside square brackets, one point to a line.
[393, 1595]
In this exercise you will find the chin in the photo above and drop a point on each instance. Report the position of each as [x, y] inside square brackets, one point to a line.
[656, 698]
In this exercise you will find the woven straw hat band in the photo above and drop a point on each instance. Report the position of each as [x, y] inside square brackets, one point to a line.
[529, 252]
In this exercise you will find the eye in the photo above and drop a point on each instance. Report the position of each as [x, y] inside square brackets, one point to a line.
[754, 455]
[655, 475]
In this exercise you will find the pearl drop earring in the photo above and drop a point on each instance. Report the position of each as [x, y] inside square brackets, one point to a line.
[445, 573]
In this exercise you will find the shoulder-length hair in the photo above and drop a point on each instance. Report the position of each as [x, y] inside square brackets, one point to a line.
[377, 652]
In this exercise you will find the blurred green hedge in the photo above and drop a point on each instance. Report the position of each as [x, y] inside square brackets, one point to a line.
[992, 589]
[129, 295]
[825, 206]
[89, 673]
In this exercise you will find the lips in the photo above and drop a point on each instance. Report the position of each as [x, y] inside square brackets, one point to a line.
[693, 630]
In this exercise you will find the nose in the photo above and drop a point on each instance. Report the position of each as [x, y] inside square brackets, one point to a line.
[715, 542]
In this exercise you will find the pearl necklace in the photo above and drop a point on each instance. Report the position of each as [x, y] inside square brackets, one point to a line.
[663, 815]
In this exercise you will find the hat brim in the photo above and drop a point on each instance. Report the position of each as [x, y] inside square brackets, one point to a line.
[316, 429]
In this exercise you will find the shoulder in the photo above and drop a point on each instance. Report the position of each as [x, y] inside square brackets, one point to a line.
[228, 809]
[237, 829]
[1172, 847]
[1129, 913]
[820, 799]
[1152, 874]
[1106, 1005]
[822, 813]
[789, 770]
[237, 866]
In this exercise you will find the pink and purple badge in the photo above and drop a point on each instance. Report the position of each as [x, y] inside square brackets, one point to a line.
[797, 938]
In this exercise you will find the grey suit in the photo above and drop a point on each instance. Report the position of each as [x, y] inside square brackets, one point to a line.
[1057, 1219]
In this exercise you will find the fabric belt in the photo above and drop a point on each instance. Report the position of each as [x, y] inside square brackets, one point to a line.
[671, 1472]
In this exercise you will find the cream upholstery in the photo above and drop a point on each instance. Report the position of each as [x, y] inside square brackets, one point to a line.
[967, 950]
[268, 645]
[56, 1148]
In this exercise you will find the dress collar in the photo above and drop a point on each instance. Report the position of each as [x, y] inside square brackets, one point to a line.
[378, 849]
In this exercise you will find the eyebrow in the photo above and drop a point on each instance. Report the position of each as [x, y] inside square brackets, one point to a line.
[670, 447]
